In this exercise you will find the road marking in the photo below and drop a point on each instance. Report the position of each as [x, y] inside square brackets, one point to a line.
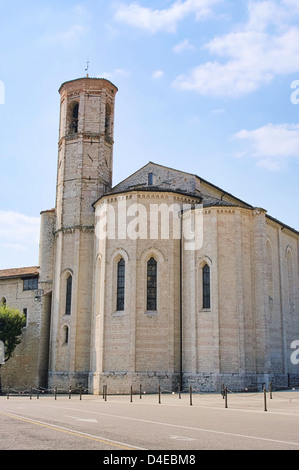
[72, 432]
[204, 430]
[182, 438]
[86, 420]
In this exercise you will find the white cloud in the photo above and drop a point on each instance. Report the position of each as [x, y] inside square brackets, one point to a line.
[292, 4]
[16, 228]
[166, 19]
[272, 145]
[117, 73]
[182, 46]
[68, 37]
[251, 56]
[157, 74]
[218, 111]
[19, 239]
[261, 14]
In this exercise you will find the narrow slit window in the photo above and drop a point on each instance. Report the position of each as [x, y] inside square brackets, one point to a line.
[152, 284]
[150, 179]
[66, 334]
[68, 300]
[75, 118]
[206, 286]
[108, 122]
[120, 301]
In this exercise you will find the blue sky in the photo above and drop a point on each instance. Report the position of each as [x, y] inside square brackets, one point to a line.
[209, 87]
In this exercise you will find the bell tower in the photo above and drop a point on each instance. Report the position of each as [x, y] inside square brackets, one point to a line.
[84, 173]
[85, 148]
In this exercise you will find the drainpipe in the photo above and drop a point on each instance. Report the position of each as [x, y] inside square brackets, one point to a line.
[181, 303]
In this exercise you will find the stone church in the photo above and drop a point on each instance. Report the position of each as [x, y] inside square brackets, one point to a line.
[164, 279]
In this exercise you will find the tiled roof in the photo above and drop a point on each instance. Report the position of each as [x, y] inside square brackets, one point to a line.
[19, 272]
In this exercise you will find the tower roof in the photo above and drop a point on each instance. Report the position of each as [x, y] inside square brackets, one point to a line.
[87, 81]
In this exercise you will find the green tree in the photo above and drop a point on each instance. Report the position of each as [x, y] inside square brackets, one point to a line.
[12, 321]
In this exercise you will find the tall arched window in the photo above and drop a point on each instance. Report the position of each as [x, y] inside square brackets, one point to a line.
[152, 284]
[206, 287]
[68, 297]
[120, 296]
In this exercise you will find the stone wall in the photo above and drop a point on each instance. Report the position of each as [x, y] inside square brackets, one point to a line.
[23, 369]
[135, 342]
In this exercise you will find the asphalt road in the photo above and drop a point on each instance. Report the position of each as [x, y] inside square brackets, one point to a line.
[174, 425]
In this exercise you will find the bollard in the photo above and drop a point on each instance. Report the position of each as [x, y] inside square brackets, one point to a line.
[80, 393]
[8, 393]
[140, 395]
[159, 394]
[131, 394]
[225, 396]
[270, 390]
[265, 399]
[55, 393]
[37, 393]
[179, 390]
[70, 393]
[190, 392]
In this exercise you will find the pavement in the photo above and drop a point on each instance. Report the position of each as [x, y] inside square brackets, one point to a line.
[170, 425]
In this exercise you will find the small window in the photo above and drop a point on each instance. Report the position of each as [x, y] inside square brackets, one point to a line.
[206, 287]
[68, 302]
[120, 304]
[150, 179]
[66, 335]
[152, 284]
[30, 283]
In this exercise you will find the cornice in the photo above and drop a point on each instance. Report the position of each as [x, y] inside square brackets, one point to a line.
[73, 228]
